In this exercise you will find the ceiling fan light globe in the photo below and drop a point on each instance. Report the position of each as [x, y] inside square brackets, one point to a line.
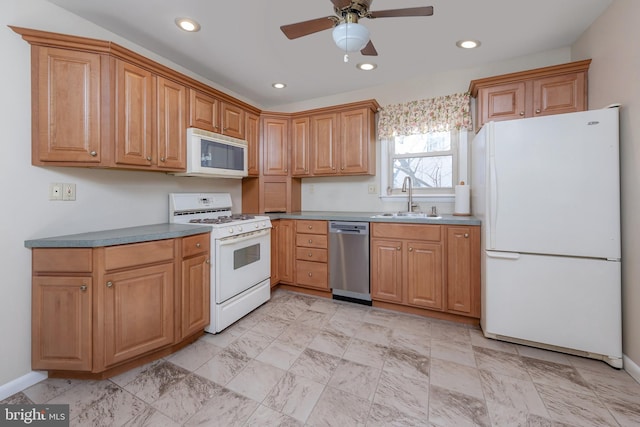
[350, 37]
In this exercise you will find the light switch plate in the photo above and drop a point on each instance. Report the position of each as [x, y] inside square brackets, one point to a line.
[68, 191]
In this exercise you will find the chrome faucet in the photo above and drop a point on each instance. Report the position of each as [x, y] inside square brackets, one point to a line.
[410, 204]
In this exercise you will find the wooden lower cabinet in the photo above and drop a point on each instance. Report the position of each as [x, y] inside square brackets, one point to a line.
[312, 270]
[433, 267]
[95, 310]
[286, 240]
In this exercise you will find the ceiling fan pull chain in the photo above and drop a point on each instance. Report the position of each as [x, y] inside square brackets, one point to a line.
[346, 57]
[346, 47]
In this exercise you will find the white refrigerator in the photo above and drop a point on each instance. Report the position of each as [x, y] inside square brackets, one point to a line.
[547, 190]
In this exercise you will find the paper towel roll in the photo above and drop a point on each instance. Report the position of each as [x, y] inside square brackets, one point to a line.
[463, 200]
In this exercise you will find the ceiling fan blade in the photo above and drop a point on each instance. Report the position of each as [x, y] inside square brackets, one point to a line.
[299, 29]
[369, 50]
[394, 13]
[341, 4]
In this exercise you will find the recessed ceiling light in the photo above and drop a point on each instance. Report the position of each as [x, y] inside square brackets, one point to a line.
[366, 66]
[468, 44]
[279, 85]
[188, 24]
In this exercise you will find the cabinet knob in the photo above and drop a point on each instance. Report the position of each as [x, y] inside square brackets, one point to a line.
[310, 274]
[310, 241]
[522, 113]
[93, 153]
[333, 168]
[410, 249]
[310, 227]
[208, 261]
[310, 254]
[342, 168]
[83, 288]
[149, 158]
[466, 235]
[162, 159]
[109, 284]
[538, 111]
[198, 245]
[398, 248]
[286, 170]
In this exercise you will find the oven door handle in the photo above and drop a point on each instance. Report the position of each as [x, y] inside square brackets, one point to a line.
[245, 236]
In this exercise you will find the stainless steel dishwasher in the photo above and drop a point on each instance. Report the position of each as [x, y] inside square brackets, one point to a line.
[349, 261]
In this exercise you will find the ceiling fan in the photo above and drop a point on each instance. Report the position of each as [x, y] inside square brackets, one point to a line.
[348, 34]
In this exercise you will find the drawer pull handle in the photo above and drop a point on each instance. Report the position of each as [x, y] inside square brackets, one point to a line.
[93, 153]
[109, 284]
[310, 227]
[309, 274]
[83, 288]
[310, 241]
[198, 245]
[310, 254]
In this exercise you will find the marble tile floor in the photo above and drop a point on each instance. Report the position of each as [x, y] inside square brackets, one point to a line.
[301, 360]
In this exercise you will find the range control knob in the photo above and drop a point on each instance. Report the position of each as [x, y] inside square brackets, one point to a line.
[230, 230]
[239, 228]
[256, 225]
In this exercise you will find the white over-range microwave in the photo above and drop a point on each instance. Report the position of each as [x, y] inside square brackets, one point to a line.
[212, 155]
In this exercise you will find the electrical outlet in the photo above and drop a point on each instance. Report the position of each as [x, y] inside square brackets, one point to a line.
[68, 191]
[372, 189]
[55, 191]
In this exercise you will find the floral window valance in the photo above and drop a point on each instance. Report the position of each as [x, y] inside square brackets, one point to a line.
[439, 114]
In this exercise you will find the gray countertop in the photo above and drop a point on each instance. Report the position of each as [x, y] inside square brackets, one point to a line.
[119, 236]
[367, 217]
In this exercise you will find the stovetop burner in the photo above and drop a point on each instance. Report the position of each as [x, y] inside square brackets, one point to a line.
[222, 219]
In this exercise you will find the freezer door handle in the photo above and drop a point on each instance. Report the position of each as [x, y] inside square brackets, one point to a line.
[503, 255]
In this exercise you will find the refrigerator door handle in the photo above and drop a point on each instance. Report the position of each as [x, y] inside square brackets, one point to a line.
[503, 255]
[493, 199]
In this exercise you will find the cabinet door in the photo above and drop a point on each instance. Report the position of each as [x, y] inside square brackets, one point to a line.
[275, 151]
[204, 111]
[356, 142]
[195, 294]
[559, 94]
[386, 270]
[172, 125]
[324, 143]
[138, 310]
[134, 112]
[61, 323]
[502, 102]
[232, 120]
[67, 105]
[424, 274]
[275, 252]
[300, 146]
[463, 276]
[287, 247]
[252, 132]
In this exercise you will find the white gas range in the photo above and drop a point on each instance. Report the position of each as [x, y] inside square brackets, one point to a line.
[240, 250]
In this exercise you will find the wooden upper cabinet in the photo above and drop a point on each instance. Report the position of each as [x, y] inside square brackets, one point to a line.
[300, 146]
[542, 91]
[232, 120]
[171, 124]
[324, 144]
[275, 146]
[134, 113]
[67, 105]
[357, 142]
[252, 133]
[204, 111]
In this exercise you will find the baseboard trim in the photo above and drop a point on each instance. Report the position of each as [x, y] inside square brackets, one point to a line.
[631, 368]
[21, 383]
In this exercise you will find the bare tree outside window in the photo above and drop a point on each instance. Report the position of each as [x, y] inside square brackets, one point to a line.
[426, 158]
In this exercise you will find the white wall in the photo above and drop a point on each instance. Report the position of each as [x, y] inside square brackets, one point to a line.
[105, 199]
[612, 42]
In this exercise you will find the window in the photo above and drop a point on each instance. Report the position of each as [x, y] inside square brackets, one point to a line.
[432, 160]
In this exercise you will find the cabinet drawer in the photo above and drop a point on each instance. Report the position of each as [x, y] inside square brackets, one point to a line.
[311, 227]
[311, 240]
[137, 254]
[311, 254]
[55, 260]
[193, 245]
[312, 274]
[407, 231]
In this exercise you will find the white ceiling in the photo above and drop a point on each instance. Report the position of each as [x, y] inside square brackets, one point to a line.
[240, 46]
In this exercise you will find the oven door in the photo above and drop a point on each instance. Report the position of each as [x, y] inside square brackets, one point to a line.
[241, 262]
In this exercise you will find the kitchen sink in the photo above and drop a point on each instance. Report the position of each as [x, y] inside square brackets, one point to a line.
[406, 215]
